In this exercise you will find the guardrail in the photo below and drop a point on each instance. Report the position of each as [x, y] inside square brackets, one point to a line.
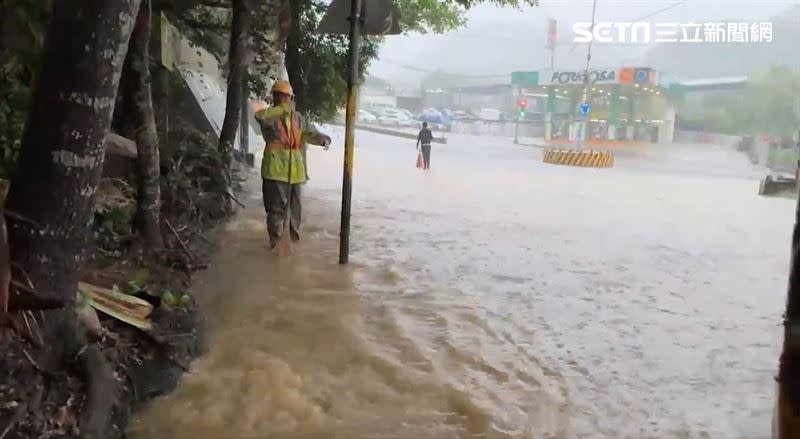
[392, 132]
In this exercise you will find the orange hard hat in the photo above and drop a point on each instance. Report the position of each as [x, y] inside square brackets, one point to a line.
[281, 86]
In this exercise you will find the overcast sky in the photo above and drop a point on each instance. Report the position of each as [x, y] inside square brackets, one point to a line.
[405, 58]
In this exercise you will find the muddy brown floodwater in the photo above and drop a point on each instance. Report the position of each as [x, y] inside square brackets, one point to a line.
[496, 296]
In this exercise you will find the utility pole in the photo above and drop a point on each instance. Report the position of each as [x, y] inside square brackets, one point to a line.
[552, 28]
[580, 136]
[551, 44]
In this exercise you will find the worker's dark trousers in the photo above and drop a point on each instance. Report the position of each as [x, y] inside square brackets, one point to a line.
[426, 156]
[276, 201]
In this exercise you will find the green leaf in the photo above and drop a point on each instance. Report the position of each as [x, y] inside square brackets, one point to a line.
[141, 276]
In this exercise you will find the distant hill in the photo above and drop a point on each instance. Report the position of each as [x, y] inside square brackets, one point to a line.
[690, 61]
[498, 48]
[495, 48]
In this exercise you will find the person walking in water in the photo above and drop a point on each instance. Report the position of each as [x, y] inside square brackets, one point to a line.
[283, 168]
[424, 139]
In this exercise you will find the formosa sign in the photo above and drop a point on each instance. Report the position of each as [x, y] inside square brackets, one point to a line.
[579, 77]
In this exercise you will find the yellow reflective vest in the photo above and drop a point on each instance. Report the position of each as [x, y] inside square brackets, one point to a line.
[285, 133]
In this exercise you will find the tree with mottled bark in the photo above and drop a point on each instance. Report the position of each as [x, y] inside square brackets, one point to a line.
[137, 88]
[238, 58]
[61, 155]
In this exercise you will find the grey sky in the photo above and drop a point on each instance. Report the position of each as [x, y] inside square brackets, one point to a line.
[491, 30]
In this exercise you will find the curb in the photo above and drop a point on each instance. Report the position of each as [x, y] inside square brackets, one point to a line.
[583, 158]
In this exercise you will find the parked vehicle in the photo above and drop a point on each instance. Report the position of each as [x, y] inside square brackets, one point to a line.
[393, 112]
[376, 108]
[396, 119]
[463, 116]
[406, 112]
[366, 117]
[491, 114]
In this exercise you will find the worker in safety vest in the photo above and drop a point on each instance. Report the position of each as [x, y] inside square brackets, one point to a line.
[283, 169]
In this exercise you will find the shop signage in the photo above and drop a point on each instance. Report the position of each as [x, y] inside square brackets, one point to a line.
[578, 77]
[525, 79]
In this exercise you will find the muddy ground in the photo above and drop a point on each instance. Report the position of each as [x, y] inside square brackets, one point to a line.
[40, 398]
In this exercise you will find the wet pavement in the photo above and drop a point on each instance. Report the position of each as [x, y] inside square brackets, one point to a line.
[496, 296]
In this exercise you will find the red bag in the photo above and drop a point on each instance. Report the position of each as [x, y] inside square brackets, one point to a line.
[420, 163]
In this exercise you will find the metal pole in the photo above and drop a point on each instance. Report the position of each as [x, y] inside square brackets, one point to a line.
[582, 133]
[516, 122]
[352, 93]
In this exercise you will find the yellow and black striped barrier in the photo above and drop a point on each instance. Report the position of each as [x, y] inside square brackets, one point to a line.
[582, 158]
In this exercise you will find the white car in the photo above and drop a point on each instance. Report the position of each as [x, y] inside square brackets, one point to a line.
[392, 112]
[406, 112]
[491, 114]
[395, 119]
[366, 117]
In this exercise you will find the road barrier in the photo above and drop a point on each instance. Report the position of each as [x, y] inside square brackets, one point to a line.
[583, 158]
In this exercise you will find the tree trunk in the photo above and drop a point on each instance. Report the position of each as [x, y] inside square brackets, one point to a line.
[148, 173]
[237, 61]
[293, 36]
[62, 146]
[244, 125]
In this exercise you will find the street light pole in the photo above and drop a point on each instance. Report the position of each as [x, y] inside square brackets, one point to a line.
[584, 125]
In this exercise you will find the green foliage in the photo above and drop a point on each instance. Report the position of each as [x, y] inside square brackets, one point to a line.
[23, 26]
[139, 281]
[176, 300]
[765, 106]
[115, 205]
[430, 15]
[317, 64]
[441, 16]
[192, 185]
[270, 25]
[14, 101]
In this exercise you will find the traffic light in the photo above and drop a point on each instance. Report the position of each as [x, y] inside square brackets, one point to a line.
[522, 105]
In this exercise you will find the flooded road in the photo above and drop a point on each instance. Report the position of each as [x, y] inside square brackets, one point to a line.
[496, 296]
